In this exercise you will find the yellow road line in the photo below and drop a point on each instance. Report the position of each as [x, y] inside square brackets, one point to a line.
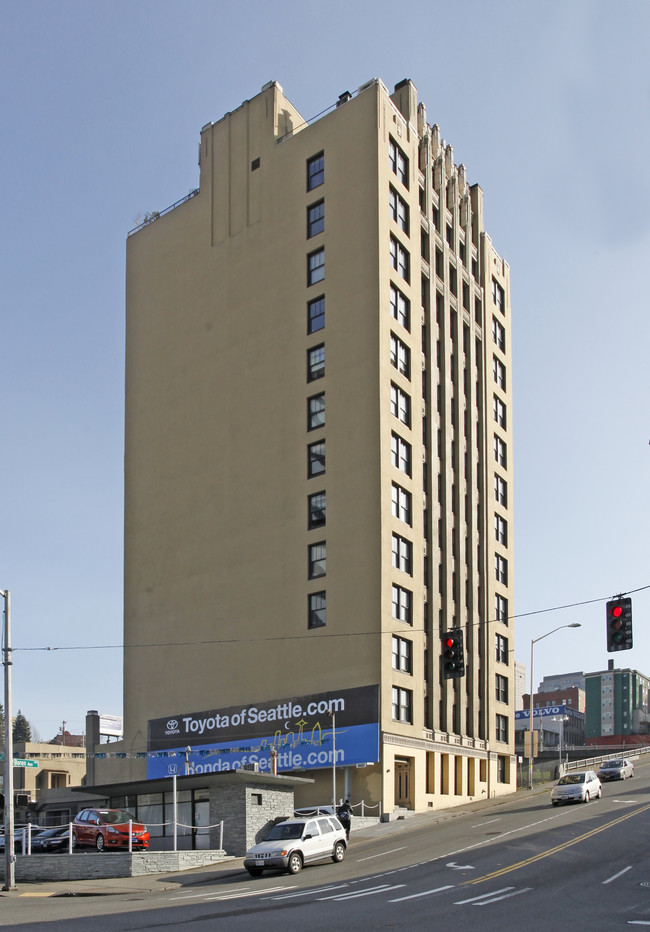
[550, 851]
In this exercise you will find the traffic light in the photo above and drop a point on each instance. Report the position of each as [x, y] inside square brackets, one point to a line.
[619, 624]
[453, 654]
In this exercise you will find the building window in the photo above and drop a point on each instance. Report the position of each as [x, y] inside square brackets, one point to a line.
[401, 503]
[317, 506]
[502, 728]
[402, 554]
[453, 280]
[499, 372]
[315, 219]
[315, 171]
[399, 210]
[316, 411]
[501, 769]
[500, 451]
[501, 645]
[501, 569]
[501, 530]
[399, 259]
[501, 609]
[498, 296]
[402, 705]
[399, 163]
[317, 559]
[316, 459]
[316, 362]
[501, 688]
[316, 266]
[316, 314]
[400, 452]
[501, 491]
[317, 610]
[400, 307]
[402, 602]
[400, 356]
[402, 655]
[499, 411]
[400, 405]
[499, 334]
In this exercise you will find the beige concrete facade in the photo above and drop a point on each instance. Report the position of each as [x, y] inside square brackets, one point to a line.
[57, 767]
[234, 427]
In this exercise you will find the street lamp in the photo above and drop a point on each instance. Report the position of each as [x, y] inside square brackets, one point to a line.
[574, 624]
[8, 788]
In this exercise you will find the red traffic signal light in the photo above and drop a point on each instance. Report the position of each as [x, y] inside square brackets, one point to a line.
[619, 624]
[453, 654]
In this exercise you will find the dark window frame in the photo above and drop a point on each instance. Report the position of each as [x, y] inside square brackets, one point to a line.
[316, 171]
[316, 223]
[314, 457]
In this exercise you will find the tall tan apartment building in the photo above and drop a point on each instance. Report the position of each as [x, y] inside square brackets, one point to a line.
[319, 462]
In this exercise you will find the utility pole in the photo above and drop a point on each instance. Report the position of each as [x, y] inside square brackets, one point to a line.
[10, 857]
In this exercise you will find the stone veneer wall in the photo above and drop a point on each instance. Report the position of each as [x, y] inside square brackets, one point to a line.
[90, 865]
[248, 811]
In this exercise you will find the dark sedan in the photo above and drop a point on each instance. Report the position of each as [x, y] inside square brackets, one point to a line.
[619, 768]
[52, 839]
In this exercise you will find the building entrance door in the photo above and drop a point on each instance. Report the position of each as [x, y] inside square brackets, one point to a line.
[403, 782]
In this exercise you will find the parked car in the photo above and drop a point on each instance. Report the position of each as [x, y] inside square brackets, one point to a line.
[20, 831]
[294, 843]
[619, 769]
[108, 828]
[577, 787]
[313, 811]
[52, 839]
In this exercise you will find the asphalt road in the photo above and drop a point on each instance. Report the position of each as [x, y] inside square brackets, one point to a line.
[515, 864]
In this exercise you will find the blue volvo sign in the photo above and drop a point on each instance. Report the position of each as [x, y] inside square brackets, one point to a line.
[546, 710]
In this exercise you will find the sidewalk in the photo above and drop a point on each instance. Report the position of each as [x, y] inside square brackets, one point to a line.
[232, 867]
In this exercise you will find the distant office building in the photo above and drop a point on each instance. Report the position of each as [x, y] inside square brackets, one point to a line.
[617, 706]
[318, 472]
[519, 677]
[562, 681]
[559, 726]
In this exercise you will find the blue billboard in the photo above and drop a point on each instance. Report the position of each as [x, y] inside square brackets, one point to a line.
[297, 731]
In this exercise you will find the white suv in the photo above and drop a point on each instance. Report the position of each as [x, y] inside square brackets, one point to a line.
[292, 844]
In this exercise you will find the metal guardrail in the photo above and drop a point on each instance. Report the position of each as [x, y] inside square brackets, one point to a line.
[590, 762]
[157, 214]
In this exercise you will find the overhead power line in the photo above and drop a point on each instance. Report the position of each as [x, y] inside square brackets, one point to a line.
[297, 637]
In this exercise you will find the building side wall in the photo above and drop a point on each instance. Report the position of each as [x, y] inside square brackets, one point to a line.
[217, 486]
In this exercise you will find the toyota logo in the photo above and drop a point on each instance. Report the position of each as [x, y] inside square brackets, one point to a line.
[172, 724]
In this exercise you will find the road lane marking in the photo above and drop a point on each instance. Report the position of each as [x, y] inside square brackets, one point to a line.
[238, 896]
[557, 848]
[489, 822]
[372, 891]
[483, 896]
[383, 854]
[288, 896]
[620, 874]
[415, 896]
[506, 896]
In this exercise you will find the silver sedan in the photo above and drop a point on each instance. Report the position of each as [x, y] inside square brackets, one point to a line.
[577, 787]
[619, 768]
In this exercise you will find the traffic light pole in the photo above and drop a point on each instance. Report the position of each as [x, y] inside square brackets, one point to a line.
[10, 857]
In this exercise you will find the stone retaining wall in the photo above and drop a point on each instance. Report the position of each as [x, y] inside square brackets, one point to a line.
[90, 865]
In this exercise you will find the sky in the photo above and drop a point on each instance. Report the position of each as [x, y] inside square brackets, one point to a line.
[102, 105]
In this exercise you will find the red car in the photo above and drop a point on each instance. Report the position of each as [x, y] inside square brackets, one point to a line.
[108, 828]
